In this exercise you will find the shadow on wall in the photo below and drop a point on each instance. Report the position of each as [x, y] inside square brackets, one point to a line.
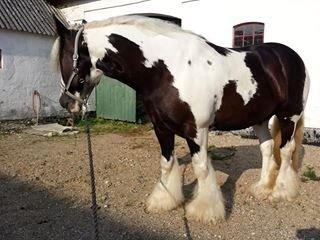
[32, 212]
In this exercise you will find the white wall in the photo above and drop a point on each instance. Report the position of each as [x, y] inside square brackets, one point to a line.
[26, 67]
[292, 22]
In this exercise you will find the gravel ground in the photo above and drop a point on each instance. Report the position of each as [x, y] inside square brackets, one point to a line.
[45, 190]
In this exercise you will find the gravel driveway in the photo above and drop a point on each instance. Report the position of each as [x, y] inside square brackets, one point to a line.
[45, 190]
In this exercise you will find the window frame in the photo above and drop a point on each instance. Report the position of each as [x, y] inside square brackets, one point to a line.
[253, 35]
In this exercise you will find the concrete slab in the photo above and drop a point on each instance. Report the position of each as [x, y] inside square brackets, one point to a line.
[51, 129]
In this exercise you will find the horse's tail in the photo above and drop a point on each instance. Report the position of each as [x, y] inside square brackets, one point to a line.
[298, 137]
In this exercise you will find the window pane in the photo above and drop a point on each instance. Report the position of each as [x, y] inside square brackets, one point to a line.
[248, 40]
[258, 30]
[248, 30]
[238, 42]
[238, 32]
[258, 39]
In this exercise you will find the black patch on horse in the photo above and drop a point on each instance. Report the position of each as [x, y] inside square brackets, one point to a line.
[233, 114]
[272, 62]
[160, 97]
[279, 91]
[221, 50]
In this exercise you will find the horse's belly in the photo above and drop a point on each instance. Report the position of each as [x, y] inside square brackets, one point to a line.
[234, 115]
[234, 121]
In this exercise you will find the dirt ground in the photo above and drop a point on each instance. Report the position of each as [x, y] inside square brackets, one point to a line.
[45, 190]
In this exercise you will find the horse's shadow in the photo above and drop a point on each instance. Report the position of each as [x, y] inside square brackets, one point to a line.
[244, 158]
[31, 211]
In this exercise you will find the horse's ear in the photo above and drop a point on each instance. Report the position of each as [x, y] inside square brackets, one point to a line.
[60, 27]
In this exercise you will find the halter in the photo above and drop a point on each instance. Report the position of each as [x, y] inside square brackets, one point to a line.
[75, 70]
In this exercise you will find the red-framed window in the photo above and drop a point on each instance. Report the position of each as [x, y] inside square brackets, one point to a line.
[249, 33]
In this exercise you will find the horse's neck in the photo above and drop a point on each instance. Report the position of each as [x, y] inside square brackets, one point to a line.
[136, 42]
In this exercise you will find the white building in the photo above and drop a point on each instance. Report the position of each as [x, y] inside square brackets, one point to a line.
[26, 37]
[291, 22]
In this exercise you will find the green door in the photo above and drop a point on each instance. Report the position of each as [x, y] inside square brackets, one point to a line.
[114, 100]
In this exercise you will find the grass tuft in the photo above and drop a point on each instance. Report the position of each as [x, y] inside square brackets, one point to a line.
[309, 174]
[100, 125]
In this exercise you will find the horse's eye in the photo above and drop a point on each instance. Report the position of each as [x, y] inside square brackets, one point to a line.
[81, 80]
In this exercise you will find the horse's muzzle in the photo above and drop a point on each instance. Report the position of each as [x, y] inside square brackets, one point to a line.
[73, 106]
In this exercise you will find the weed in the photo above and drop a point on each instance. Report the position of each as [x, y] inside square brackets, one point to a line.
[309, 174]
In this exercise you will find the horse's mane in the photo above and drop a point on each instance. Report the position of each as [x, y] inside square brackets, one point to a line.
[54, 55]
[153, 24]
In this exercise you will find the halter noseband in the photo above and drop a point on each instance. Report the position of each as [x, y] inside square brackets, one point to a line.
[75, 69]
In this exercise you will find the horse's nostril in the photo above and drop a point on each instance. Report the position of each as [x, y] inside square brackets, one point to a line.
[74, 108]
[63, 101]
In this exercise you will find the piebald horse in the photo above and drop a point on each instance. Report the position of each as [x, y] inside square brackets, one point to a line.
[190, 86]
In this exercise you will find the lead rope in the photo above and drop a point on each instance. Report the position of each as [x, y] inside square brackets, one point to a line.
[187, 232]
[94, 206]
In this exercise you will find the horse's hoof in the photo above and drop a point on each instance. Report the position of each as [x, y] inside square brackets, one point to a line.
[157, 205]
[280, 193]
[161, 200]
[286, 187]
[260, 191]
[205, 210]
